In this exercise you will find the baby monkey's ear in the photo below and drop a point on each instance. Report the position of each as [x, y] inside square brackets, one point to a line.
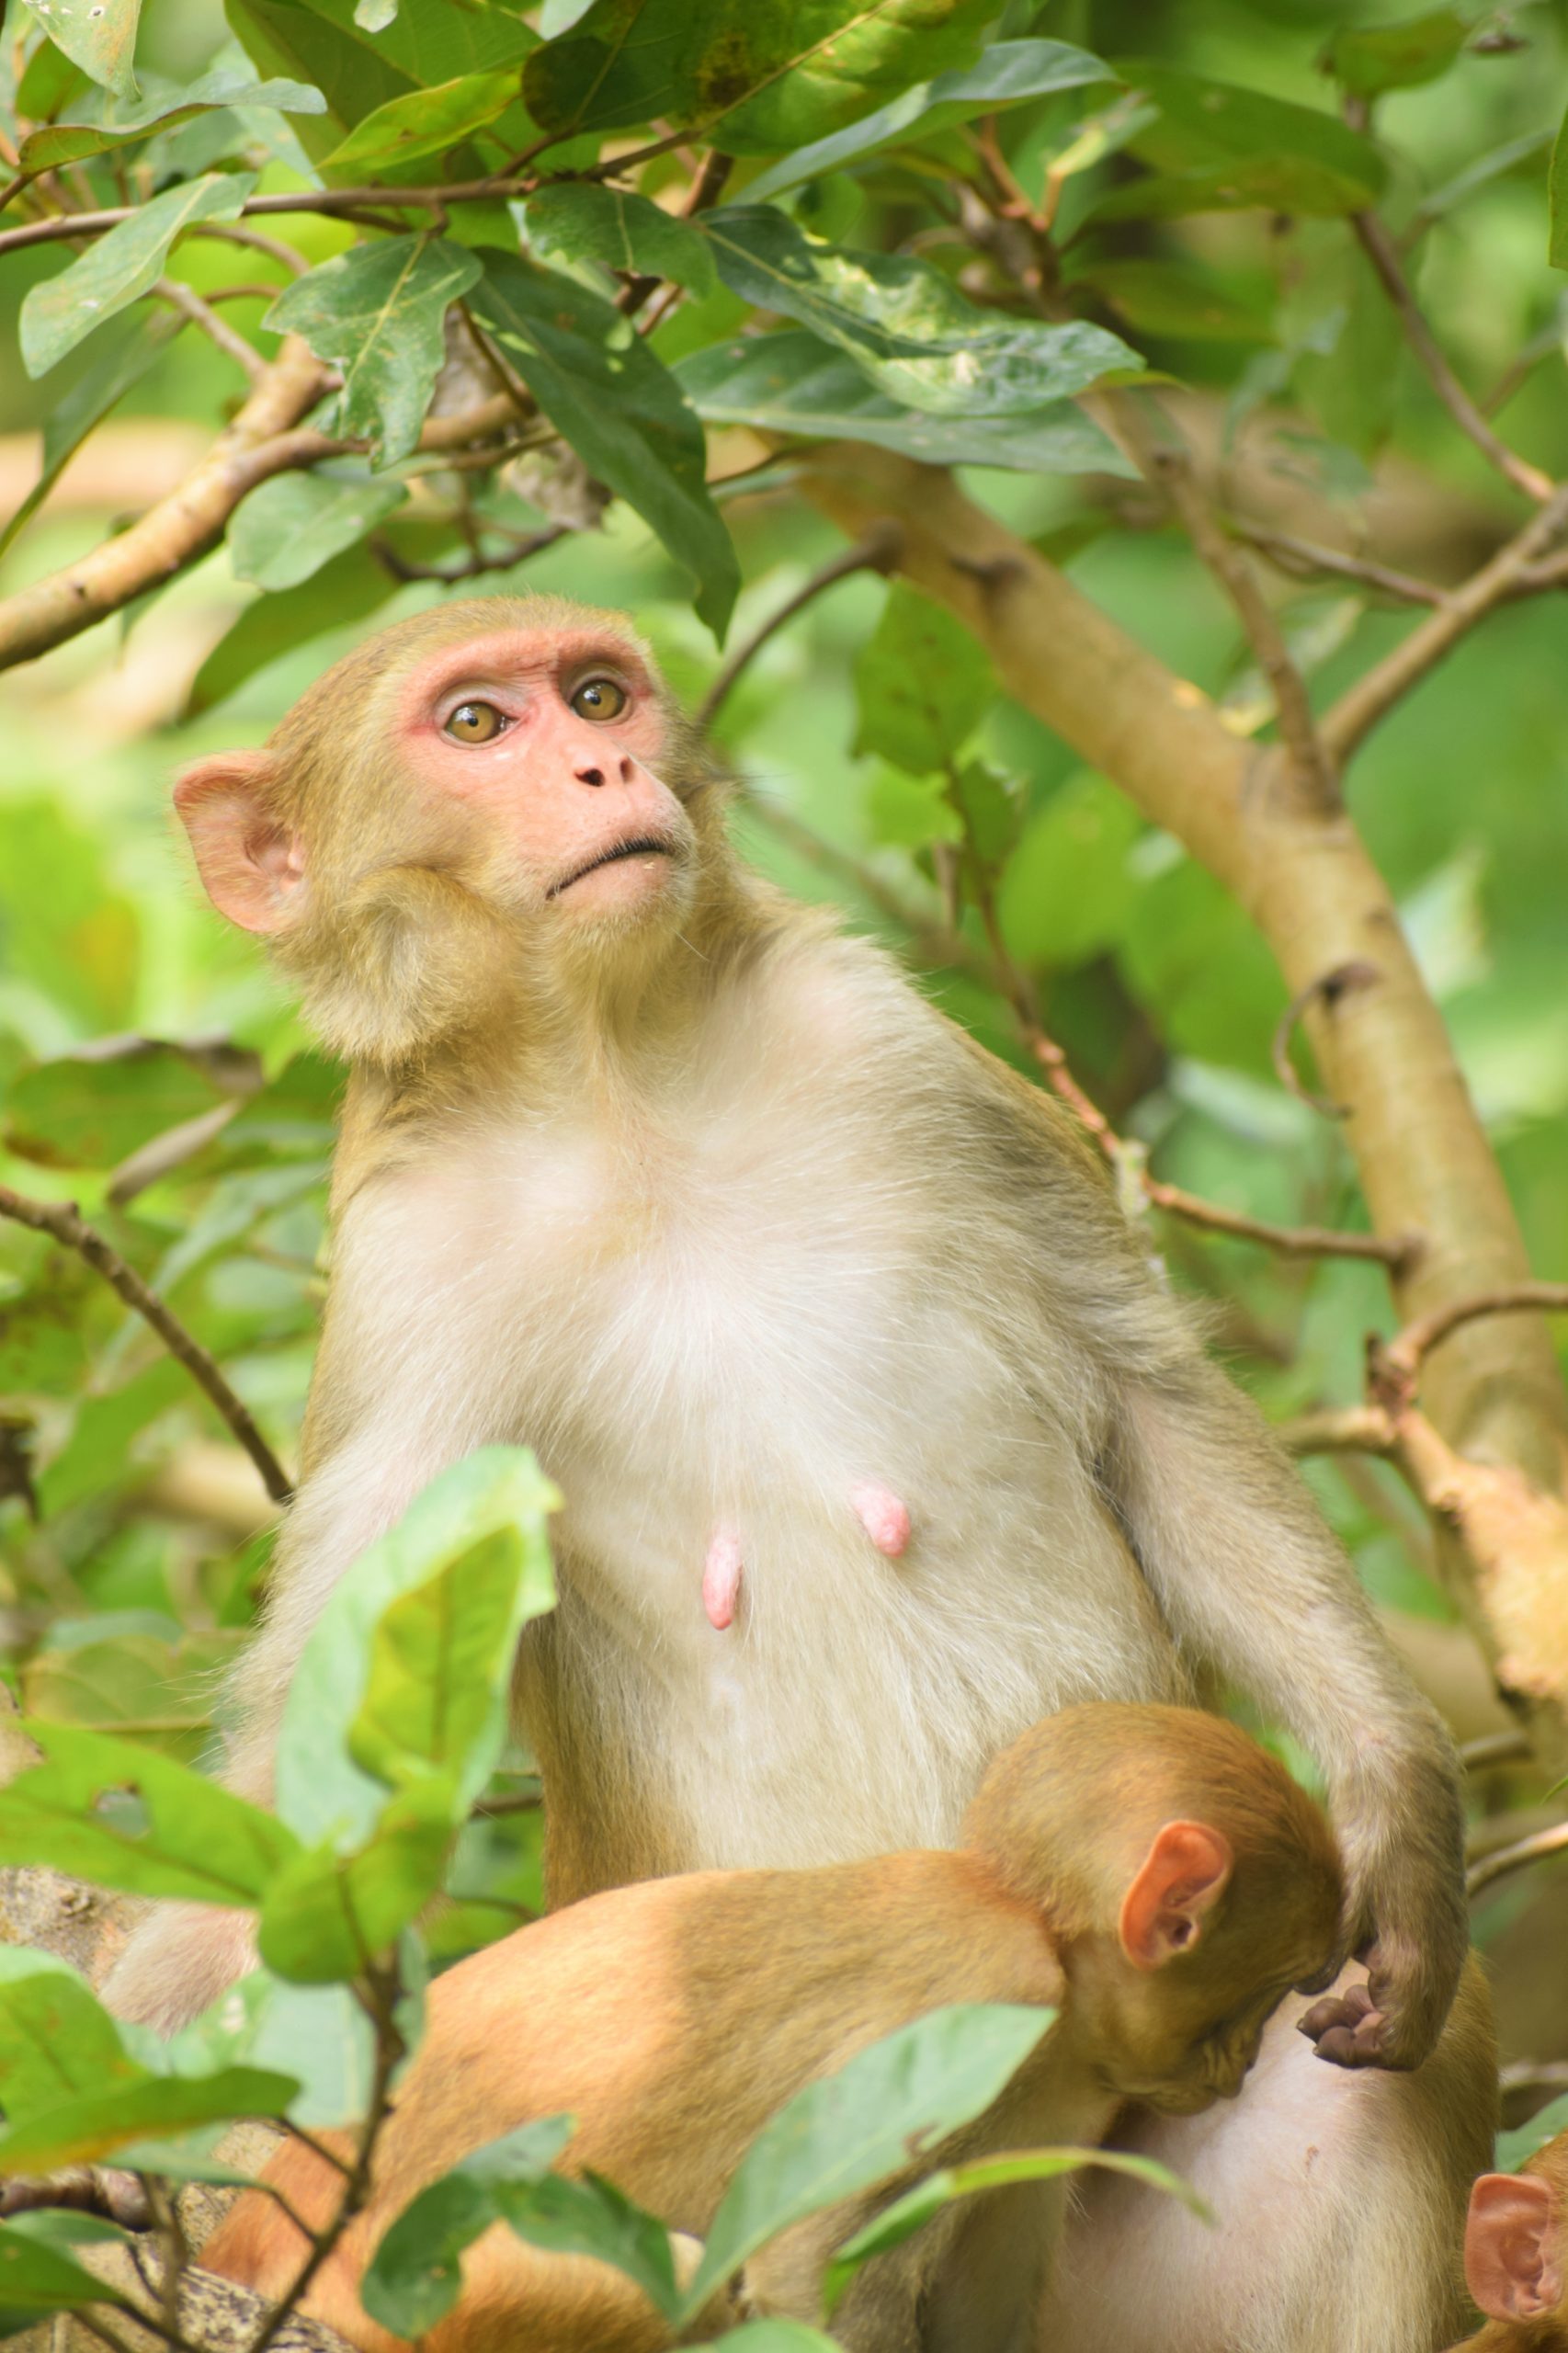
[1179, 1882]
[1508, 2266]
[253, 867]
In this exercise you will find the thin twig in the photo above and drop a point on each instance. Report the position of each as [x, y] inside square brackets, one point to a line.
[190, 303]
[1533, 1850]
[59, 1219]
[472, 566]
[1359, 710]
[1380, 251]
[333, 202]
[1349, 1429]
[509, 1802]
[878, 551]
[1330, 987]
[233, 232]
[321, 2149]
[1495, 1749]
[1533, 2075]
[1304, 558]
[1397, 1367]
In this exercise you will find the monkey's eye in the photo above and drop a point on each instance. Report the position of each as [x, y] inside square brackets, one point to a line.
[598, 698]
[475, 722]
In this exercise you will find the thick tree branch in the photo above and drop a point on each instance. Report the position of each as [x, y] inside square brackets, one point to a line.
[60, 1219]
[1396, 1367]
[1511, 571]
[1381, 252]
[1304, 876]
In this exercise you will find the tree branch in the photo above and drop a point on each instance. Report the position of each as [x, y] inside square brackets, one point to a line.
[188, 302]
[1380, 250]
[878, 551]
[1503, 1859]
[1360, 706]
[1396, 1366]
[329, 200]
[1304, 559]
[59, 1219]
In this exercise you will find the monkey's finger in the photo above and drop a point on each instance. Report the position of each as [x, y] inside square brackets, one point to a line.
[1341, 2048]
[1347, 2010]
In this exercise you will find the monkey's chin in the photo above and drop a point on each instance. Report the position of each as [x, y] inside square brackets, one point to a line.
[624, 887]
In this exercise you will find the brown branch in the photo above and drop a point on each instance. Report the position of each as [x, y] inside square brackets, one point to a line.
[231, 232]
[1495, 1749]
[878, 551]
[1304, 559]
[472, 565]
[1396, 1365]
[190, 305]
[1533, 1850]
[1361, 706]
[59, 1219]
[333, 202]
[1349, 1429]
[1380, 251]
[1325, 988]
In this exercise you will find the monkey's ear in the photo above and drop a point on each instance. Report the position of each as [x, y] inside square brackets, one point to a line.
[1179, 1882]
[1510, 2267]
[253, 867]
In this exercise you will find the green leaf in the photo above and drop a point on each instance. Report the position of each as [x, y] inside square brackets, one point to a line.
[991, 803]
[909, 813]
[414, 2278]
[378, 313]
[36, 2277]
[58, 314]
[1008, 73]
[318, 2033]
[360, 65]
[592, 2217]
[922, 684]
[865, 2125]
[584, 220]
[1557, 200]
[1068, 890]
[92, 1110]
[497, 1492]
[1517, 2148]
[776, 76]
[906, 325]
[791, 382]
[100, 37]
[777, 2337]
[911, 2212]
[1220, 147]
[94, 2126]
[121, 357]
[1371, 59]
[440, 1663]
[425, 123]
[620, 409]
[138, 1686]
[56, 143]
[57, 2042]
[288, 528]
[327, 1913]
[342, 594]
[103, 1809]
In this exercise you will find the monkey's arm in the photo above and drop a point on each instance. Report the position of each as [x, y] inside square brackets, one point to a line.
[1250, 1579]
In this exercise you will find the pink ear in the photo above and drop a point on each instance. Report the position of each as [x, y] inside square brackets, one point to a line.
[1508, 2267]
[252, 866]
[1179, 1882]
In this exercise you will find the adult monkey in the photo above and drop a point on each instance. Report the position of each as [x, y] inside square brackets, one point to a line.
[877, 1438]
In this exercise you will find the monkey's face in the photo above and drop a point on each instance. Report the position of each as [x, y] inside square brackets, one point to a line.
[547, 746]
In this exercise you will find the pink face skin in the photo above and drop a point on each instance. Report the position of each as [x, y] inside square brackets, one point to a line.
[567, 775]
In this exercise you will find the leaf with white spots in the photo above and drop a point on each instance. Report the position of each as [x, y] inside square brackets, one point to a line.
[379, 312]
[122, 266]
[98, 35]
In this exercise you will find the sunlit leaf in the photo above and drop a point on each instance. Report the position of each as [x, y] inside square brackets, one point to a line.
[328, 1911]
[100, 37]
[57, 2042]
[378, 313]
[584, 220]
[592, 2217]
[138, 1686]
[95, 2125]
[620, 409]
[361, 58]
[910, 330]
[425, 123]
[36, 2279]
[1008, 73]
[121, 1816]
[865, 2125]
[776, 76]
[120, 266]
[415, 2277]
[91, 1111]
[288, 528]
[54, 143]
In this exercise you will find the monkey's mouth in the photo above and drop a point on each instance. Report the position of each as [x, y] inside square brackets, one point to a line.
[640, 846]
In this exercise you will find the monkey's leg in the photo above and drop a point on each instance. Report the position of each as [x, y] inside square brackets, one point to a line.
[1340, 2197]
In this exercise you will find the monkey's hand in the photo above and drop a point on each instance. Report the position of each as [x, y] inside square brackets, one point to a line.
[1407, 1922]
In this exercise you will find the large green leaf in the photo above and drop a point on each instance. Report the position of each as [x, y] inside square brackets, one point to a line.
[1218, 147]
[54, 143]
[415, 2277]
[592, 2217]
[915, 2209]
[36, 2279]
[287, 529]
[907, 327]
[1068, 889]
[425, 122]
[121, 1816]
[792, 382]
[776, 76]
[867, 2122]
[498, 1492]
[92, 1110]
[1517, 2148]
[97, 2124]
[343, 592]
[119, 360]
[319, 2033]
[1371, 59]
[584, 220]
[440, 1658]
[620, 409]
[1008, 73]
[378, 313]
[922, 684]
[360, 67]
[120, 266]
[100, 37]
[57, 2042]
[138, 1686]
[328, 1911]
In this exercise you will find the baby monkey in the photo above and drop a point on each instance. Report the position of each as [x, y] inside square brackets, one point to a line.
[1516, 2255]
[1148, 1869]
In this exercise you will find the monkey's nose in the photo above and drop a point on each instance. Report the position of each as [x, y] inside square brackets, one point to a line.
[589, 776]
